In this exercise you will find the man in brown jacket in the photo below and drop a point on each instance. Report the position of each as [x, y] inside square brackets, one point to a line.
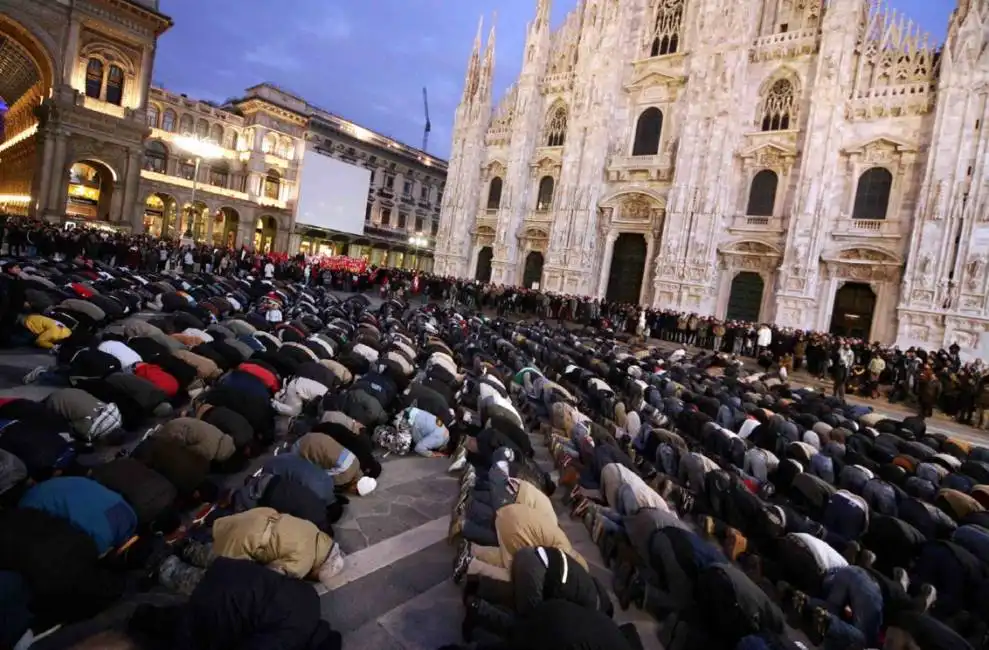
[518, 526]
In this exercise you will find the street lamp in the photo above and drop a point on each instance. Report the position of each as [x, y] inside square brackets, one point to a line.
[200, 149]
[418, 241]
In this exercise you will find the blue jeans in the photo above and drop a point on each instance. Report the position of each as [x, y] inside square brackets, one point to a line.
[853, 587]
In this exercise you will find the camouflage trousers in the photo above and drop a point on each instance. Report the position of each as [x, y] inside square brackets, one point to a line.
[182, 574]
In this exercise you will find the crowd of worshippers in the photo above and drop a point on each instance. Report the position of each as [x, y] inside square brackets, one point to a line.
[922, 378]
[207, 451]
[728, 505]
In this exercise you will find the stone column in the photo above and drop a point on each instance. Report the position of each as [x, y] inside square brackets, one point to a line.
[58, 185]
[42, 187]
[646, 275]
[133, 209]
[210, 223]
[609, 251]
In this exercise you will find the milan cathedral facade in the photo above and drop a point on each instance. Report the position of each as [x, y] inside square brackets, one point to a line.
[820, 165]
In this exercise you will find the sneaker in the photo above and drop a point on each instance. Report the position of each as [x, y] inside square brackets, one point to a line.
[926, 596]
[33, 376]
[901, 576]
[819, 624]
[462, 561]
[458, 463]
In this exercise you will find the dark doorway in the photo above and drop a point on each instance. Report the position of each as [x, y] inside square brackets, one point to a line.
[854, 306]
[745, 299]
[628, 266]
[483, 272]
[533, 272]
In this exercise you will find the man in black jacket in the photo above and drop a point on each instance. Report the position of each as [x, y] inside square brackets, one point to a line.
[239, 604]
[539, 574]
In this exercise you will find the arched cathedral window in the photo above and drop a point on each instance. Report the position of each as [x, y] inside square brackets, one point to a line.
[556, 128]
[762, 194]
[872, 194]
[544, 198]
[665, 37]
[494, 193]
[648, 130]
[777, 111]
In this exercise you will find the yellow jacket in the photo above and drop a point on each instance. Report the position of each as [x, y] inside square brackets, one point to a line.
[48, 330]
[531, 496]
[287, 544]
[520, 526]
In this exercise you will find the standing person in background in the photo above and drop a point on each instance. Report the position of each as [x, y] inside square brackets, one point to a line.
[842, 368]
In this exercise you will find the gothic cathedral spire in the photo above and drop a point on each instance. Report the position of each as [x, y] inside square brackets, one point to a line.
[473, 78]
[487, 65]
[543, 9]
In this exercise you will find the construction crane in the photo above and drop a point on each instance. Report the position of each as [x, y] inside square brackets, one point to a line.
[429, 127]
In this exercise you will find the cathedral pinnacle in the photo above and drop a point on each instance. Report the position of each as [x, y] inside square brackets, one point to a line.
[473, 78]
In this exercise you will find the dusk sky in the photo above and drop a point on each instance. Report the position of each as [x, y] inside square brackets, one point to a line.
[366, 60]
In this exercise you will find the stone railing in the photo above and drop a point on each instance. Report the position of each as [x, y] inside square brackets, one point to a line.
[867, 228]
[623, 168]
[751, 223]
[785, 44]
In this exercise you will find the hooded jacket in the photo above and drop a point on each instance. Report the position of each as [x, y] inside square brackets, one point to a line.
[198, 436]
[90, 418]
[287, 544]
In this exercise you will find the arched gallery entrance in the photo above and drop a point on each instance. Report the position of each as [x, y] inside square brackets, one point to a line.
[225, 225]
[159, 215]
[483, 273]
[628, 265]
[25, 80]
[854, 308]
[745, 299]
[264, 234]
[90, 191]
[532, 275]
[197, 217]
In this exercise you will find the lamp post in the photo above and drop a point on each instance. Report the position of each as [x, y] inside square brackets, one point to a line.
[201, 149]
[418, 241]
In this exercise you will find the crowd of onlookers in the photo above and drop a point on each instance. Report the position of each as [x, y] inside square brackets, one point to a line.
[922, 379]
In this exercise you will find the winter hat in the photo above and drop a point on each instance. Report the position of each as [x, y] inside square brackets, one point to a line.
[366, 485]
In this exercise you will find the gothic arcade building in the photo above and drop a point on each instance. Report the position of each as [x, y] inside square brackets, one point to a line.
[821, 165]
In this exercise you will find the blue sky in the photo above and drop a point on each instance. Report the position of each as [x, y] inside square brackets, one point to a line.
[366, 60]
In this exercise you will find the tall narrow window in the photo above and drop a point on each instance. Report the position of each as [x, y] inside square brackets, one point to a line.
[494, 193]
[665, 37]
[155, 157]
[202, 129]
[168, 121]
[219, 175]
[647, 132]
[777, 111]
[115, 85]
[216, 134]
[386, 216]
[544, 199]
[872, 194]
[153, 115]
[272, 185]
[94, 79]
[186, 125]
[762, 194]
[556, 127]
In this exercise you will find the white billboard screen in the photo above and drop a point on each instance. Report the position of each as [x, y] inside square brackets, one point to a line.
[332, 194]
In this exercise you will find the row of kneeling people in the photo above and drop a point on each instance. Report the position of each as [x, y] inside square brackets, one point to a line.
[281, 516]
[729, 502]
